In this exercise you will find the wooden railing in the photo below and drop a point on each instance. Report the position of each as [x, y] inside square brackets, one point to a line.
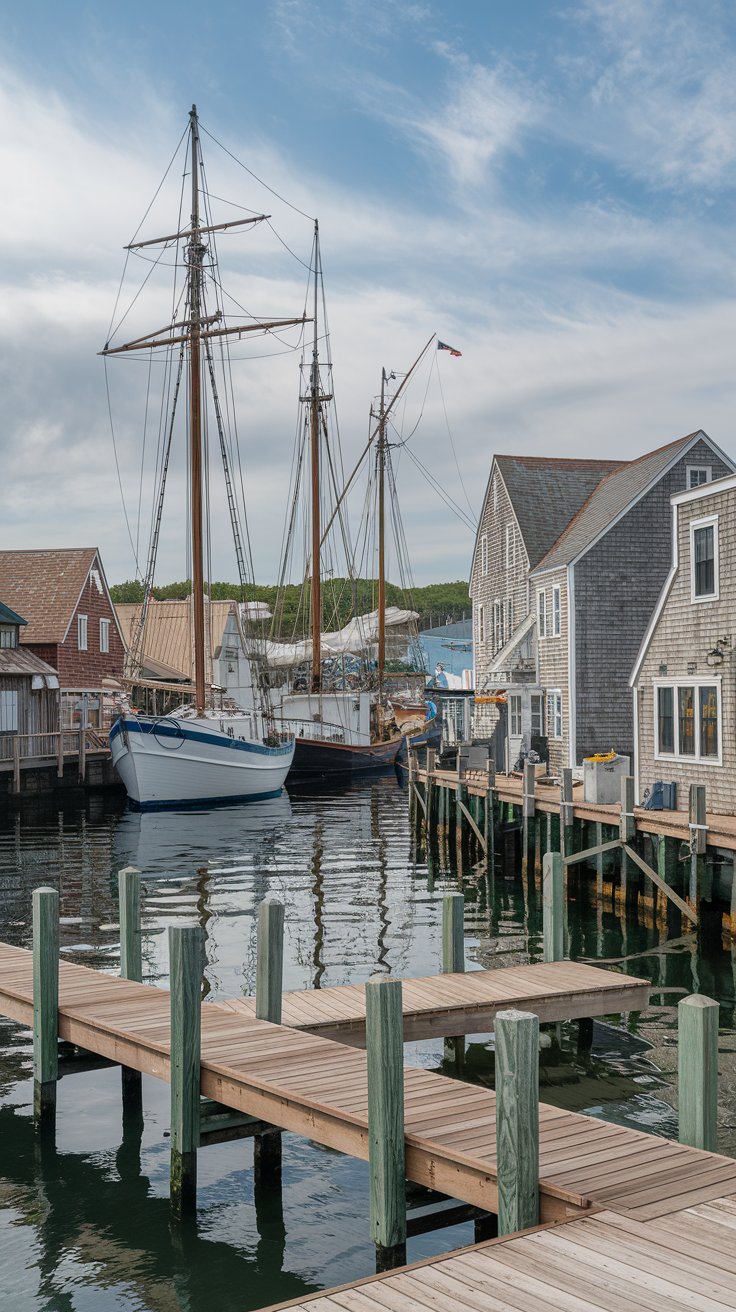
[47, 747]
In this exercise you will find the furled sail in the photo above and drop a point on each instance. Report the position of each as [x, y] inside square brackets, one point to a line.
[356, 637]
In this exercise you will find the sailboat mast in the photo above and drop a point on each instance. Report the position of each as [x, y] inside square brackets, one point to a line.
[195, 252]
[316, 593]
[382, 536]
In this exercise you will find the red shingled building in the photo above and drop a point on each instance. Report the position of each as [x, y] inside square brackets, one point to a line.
[72, 624]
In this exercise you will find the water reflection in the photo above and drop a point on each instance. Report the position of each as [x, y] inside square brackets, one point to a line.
[86, 1220]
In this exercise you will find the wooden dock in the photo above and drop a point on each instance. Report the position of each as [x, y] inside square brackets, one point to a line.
[604, 1262]
[456, 1004]
[315, 1087]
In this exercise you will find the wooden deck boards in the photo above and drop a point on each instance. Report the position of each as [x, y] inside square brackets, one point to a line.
[304, 1082]
[603, 1262]
[446, 1005]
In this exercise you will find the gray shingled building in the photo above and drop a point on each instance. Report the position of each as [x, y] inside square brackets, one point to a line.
[569, 561]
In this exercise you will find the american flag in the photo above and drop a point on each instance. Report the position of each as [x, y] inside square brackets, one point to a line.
[442, 346]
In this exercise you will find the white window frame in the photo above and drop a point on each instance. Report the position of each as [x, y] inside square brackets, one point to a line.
[687, 682]
[484, 555]
[542, 613]
[8, 710]
[510, 547]
[515, 714]
[481, 623]
[82, 632]
[508, 606]
[708, 521]
[556, 610]
[698, 469]
[104, 637]
[542, 721]
[554, 714]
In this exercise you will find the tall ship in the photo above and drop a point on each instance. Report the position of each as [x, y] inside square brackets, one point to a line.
[203, 747]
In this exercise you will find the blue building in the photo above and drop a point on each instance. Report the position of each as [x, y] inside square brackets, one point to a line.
[448, 645]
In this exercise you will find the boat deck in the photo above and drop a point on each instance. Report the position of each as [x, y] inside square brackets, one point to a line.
[454, 1004]
[318, 1088]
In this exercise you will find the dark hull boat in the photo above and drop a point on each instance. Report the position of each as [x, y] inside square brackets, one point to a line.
[313, 756]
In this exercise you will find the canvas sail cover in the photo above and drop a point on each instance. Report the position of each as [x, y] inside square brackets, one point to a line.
[356, 637]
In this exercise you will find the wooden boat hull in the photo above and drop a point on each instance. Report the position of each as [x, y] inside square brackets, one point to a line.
[313, 756]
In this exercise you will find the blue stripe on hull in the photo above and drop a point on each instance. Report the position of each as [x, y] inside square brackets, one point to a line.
[181, 729]
[202, 803]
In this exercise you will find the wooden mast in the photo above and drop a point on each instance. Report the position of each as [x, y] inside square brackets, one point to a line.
[314, 416]
[382, 537]
[195, 251]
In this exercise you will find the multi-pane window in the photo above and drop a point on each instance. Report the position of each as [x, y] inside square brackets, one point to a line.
[704, 558]
[698, 474]
[484, 554]
[688, 720]
[497, 626]
[8, 711]
[556, 612]
[82, 632]
[508, 606]
[481, 624]
[8, 635]
[515, 715]
[542, 614]
[554, 714]
[510, 546]
[104, 635]
[537, 709]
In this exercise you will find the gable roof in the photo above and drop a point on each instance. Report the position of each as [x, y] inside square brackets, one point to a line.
[168, 638]
[8, 616]
[46, 585]
[546, 493]
[613, 496]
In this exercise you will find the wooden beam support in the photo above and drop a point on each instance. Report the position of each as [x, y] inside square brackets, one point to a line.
[517, 1120]
[671, 894]
[45, 1003]
[386, 1153]
[186, 954]
[464, 810]
[697, 1048]
[270, 960]
[592, 851]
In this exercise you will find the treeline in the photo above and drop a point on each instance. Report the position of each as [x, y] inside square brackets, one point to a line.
[437, 603]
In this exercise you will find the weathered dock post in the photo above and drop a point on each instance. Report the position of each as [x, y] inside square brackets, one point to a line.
[697, 1053]
[567, 813]
[517, 1120]
[384, 1032]
[131, 967]
[489, 817]
[267, 1147]
[270, 960]
[698, 841]
[528, 812]
[45, 1004]
[186, 954]
[453, 933]
[629, 882]
[553, 907]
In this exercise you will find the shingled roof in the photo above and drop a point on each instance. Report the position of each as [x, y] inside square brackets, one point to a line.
[546, 493]
[612, 495]
[45, 586]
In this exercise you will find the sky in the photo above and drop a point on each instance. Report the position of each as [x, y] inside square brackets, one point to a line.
[549, 188]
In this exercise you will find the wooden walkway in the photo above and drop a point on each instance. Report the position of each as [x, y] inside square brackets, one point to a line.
[509, 788]
[454, 1004]
[318, 1088]
[601, 1263]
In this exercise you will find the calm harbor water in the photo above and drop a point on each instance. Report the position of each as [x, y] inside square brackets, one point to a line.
[85, 1222]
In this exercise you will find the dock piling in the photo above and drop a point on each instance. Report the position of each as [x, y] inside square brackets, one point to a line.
[186, 949]
[517, 1120]
[553, 907]
[131, 967]
[385, 1062]
[697, 1051]
[453, 933]
[45, 1002]
[270, 960]
[698, 841]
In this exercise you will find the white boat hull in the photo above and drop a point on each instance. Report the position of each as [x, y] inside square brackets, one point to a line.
[178, 762]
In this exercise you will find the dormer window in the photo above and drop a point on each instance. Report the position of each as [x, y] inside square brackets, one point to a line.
[8, 635]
